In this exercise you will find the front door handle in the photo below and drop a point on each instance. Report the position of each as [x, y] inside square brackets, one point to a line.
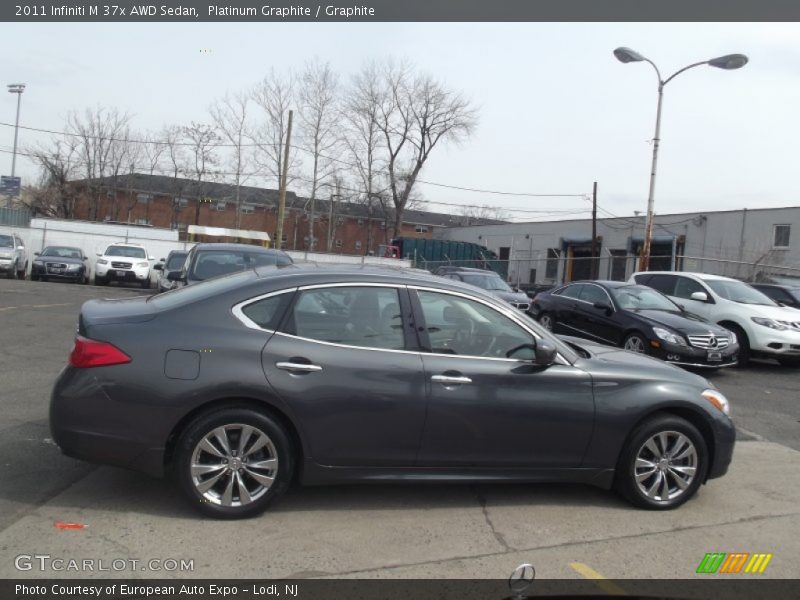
[451, 379]
[298, 367]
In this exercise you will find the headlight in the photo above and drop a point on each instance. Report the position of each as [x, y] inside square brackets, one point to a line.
[732, 337]
[718, 400]
[38, 262]
[102, 261]
[143, 264]
[5, 255]
[769, 323]
[669, 336]
[73, 267]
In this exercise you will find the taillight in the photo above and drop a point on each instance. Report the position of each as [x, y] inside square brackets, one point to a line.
[91, 353]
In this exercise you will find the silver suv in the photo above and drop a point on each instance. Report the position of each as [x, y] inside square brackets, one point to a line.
[13, 258]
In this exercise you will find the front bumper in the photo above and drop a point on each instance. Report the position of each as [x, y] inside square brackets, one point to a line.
[109, 272]
[724, 442]
[776, 343]
[6, 264]
[689, 356]
[43, 271]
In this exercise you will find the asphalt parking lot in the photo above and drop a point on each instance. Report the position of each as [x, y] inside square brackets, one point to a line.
[439, 531]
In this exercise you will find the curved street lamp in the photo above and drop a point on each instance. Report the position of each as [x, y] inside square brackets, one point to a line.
[626, 55]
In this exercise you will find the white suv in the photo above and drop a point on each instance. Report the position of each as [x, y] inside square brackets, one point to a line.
[123, 262]
[763, 327]
[13, 259]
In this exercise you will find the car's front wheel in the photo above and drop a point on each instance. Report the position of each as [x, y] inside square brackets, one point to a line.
[100, 280]
[232, 463]
[663, 463]
[635, 342]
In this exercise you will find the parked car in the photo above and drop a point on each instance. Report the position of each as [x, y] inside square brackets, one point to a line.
[123, 262]
[762, 327]
[334, 374]
[13, 258]
[786, 295]
[531, 289]
[173, 263]
[489, 281]
[636, 318]
[60, 262]
[206, 261]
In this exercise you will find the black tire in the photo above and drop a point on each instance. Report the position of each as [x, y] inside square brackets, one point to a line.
[21, 273]
[231, 418]
[637, 339]
[789, 361]
[44, 278]
[625, 480]
[12, 273]
[34, 277]
[145, 284]
[743, 357]
[100, 280]
[546, 317]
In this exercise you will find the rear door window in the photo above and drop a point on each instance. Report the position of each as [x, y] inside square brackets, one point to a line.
[663, 283]
[685, 287]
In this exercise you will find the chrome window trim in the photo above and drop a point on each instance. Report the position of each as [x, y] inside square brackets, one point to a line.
[237, 309]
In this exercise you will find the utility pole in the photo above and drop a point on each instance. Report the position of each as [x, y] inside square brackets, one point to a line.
[284, 176]
[15, 88]
[594, 231]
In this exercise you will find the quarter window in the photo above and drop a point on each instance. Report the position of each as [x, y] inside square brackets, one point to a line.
[456, 325]
[267, 312]
[354, 316]
[593, 293]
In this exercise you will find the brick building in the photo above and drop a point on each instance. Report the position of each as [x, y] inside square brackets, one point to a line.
[161, 201]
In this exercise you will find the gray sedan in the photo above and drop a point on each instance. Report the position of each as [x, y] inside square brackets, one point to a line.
[237, 385]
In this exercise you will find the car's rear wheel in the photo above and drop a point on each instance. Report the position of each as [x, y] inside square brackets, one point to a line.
[663, 463]
[547, 321]
[635, 342]
[233, 462]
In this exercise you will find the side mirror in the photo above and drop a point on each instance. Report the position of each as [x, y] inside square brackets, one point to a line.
[84, 258]
[158, 267]
[36, 253]
[604, 307]
[20, 247]
[99, 253]
[545, 352]
[150, 258]
[699, 296]
[175, 276]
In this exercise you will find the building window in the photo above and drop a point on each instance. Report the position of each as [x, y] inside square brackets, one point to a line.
[340, 221]
[421, 229]
[338, 243]
[181, 202]
[219, 206]
[361, 221]
[383, 224]
[358, 244]
[248, 209]
[551, 269]
[183, 226]
[144, 198]
[619, 265]
[142, 221]
[781, 236]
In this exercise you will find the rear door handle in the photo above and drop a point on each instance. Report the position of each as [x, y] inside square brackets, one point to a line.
[451, 379]
[298, 367]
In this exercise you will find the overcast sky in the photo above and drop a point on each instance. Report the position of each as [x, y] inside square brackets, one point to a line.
[557, 110]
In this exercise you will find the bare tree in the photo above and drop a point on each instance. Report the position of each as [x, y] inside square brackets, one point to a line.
[416, 113]
[151, 152]
[55, 196]
[174, 139]
[475, 215]
[202, 141]
[96, 130]
[230, 117]
[318, 99]
[274, 96]
[122, 158]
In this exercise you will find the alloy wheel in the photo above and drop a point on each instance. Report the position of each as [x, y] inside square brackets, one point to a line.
[635, 344]
[665, 466]
[234, 465]
[546, 321]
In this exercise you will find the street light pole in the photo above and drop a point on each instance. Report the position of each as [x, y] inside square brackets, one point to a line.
[15, 88]
[626, 55]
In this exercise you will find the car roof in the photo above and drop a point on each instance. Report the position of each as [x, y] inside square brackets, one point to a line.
[707, 276]
[467, 270]
[232, 247]
[126, 244]
[605, 283]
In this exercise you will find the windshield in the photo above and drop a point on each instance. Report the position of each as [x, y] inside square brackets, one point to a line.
[737, 291]
[487, 282]
[62, 252]
[127, 251]
[175, 261]
[642, 298]
[6, 241]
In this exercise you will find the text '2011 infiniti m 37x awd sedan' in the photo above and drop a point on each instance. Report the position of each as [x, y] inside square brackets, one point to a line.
[342, 374]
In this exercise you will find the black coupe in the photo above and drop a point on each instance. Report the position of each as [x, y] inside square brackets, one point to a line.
[636, 318]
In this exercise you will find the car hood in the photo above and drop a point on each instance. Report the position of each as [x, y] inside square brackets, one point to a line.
[58, 259]
[618, 364]
[777, 313]
[517, 297]
[687, 323]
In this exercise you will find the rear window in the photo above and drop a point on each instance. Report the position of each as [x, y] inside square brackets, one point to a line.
[213, 263]
[175, 261]
[205, 289]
